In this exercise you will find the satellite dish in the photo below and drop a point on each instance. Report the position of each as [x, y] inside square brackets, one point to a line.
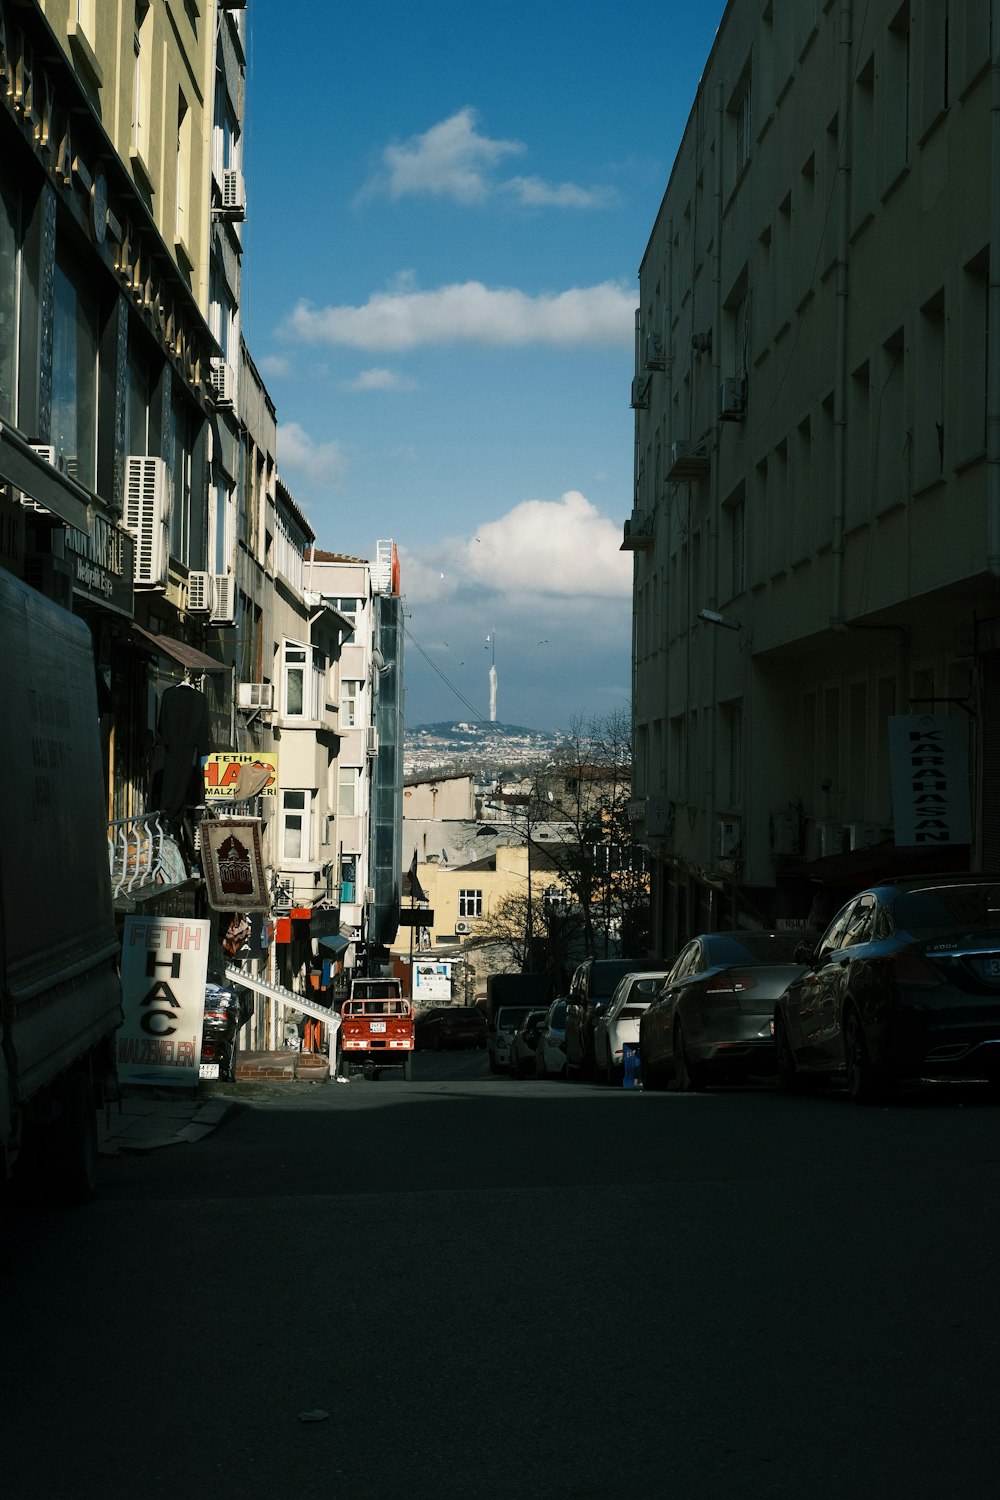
[378, 659]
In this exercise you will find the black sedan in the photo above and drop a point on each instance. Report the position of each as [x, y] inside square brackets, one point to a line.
[712, 1019]
[904, 984]
[227, 1009]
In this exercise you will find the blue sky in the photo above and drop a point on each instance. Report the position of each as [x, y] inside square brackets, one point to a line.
[447, 207]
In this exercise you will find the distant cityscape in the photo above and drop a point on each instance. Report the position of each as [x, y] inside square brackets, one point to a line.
[479, 747]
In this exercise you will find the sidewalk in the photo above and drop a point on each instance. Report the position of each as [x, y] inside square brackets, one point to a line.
[144, 1123]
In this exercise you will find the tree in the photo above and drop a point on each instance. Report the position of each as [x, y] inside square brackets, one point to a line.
[575, 810]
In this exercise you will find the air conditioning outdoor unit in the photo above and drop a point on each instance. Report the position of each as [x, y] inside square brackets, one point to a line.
[199, 593]
[146, 517]
[223, 599]
[863, 835]
[222, 382]
[656, 352]
[371, 740]
[463, 927]
[255, 695]
[234, 195]
[732, 399]
[640, 392]
[45, 451]
[832, 838]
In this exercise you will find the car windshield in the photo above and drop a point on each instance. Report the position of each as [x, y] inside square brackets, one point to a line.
[510, 1017]
[557, 1015]
[753, 947]
[948, 907]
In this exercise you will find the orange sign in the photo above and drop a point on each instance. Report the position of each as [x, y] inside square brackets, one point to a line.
[236, 776]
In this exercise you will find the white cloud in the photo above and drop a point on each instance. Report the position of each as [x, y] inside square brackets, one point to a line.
[453, 160]
[321, 463]
[380, 380]
[274, 365]
[552, 553]
[450, 160]
[469, 312]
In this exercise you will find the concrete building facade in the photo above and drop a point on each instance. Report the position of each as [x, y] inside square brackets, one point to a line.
[816, 522]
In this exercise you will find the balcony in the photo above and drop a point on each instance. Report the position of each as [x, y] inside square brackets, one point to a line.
[639, 533]
[143, 858]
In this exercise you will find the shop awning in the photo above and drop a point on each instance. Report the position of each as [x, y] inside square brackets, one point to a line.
[28, 472]
[335, 943]
[188, 656]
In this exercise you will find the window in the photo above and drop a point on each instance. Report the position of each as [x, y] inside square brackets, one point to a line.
[348, 881]
[10, 266]
[973, 318]
[296, 657]
[348, 782]
[295, 820]
[929, 435]
[182, 227]
[180, 510]
[470, 903]
[350, 608]
[74, 371]
[737, 544]
[740, 111]
[897, 95]
[349, 691]
[222, 526]
[891, 426]
[802, 523]
[857, 501]
[142, 83]
[863, 145]
[937, 26]
[732, 718]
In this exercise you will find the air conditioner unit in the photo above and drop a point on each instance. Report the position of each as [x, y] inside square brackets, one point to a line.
[369, 895]
[640, 391]
[732, 399]
[222, 382]
[199, 593]
[234, 195]
[146, 517]
[656, 352]
[729, 838]
[463, 927]
[255, 695]
[371, 740]
[832, 838]
[863, 835]
[223, 599]
[45, 451]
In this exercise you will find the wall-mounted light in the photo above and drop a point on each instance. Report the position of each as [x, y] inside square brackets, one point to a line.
[712, 617]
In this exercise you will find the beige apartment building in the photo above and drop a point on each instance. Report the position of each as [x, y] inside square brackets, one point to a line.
[816, 522]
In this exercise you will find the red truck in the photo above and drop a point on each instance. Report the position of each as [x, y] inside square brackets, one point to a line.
[376, 1029]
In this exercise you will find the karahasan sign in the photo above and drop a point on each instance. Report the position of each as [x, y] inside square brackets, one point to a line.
[229, 775]
[47, 124]
[930, 780]
[164, 968]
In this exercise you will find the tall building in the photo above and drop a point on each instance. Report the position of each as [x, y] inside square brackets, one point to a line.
[816, 521]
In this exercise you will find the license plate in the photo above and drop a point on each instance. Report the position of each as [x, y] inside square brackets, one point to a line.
[208, 1070]
[378, 1026]
[990, 968]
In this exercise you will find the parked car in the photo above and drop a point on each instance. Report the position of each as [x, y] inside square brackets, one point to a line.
[500, 1033]
[227, 1009]
[524, 1042]
[451, 1026]
[590, 992]
[550, 1054]
[618, 1026]
[713, 1018]
[903, 984]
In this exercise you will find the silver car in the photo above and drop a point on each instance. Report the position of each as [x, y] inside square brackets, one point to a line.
[713, 1020]
[618, 1026]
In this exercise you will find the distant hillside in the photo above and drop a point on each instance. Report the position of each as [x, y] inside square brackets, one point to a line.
[472, 745]
[463, 730]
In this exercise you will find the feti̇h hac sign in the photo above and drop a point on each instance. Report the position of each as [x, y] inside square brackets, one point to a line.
[164, 968]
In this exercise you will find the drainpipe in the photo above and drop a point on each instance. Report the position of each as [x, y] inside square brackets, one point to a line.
[713, 500]
[840, 376]
[993, 310]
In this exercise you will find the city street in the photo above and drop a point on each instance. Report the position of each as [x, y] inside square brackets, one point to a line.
[467, 1286]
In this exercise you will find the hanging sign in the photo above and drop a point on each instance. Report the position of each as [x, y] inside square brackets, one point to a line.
[930, 780]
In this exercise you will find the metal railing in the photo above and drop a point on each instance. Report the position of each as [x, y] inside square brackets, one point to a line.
[142, 852]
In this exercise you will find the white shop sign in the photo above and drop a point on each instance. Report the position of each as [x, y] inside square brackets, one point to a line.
[164, 968]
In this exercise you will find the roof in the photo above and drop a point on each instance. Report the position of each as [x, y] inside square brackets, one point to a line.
[316, 554]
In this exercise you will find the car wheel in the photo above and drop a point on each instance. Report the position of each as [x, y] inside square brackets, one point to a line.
[790, 1080]
[653, 1081]
[408, 1068]
[687, 1075]
[866, 1083]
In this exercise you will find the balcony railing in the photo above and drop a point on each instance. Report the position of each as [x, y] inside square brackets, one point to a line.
[143, 854]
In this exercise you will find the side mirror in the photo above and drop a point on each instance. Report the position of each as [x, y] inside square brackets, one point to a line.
[805, 953]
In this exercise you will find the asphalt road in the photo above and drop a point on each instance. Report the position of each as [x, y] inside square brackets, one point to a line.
[537, 1289]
